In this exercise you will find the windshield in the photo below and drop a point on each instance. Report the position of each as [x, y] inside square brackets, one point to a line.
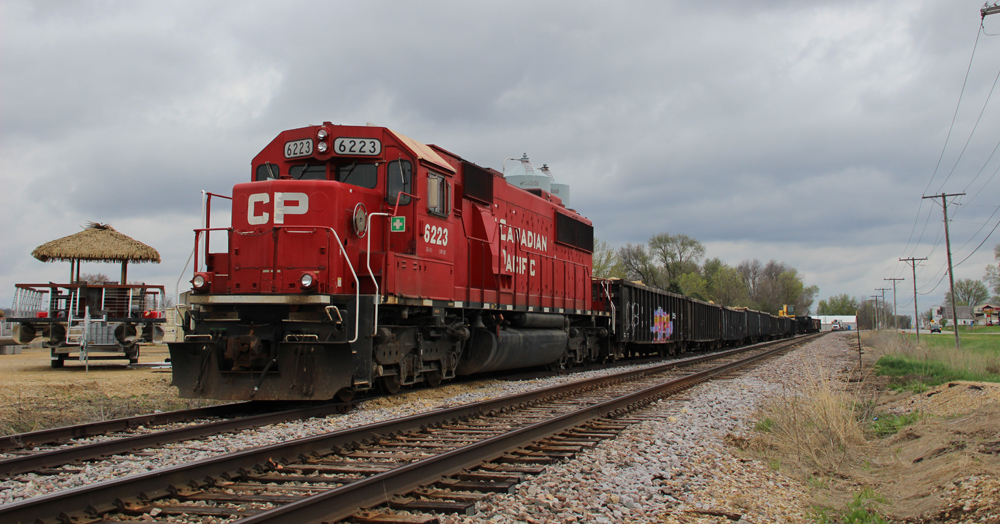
[308, 172]
[361, 175]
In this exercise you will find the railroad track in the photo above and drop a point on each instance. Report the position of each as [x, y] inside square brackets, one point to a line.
[442, 461]
[42, 451]
[24, 455]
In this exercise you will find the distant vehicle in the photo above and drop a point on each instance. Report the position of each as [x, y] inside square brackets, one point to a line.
[935, 327]
[835, 326]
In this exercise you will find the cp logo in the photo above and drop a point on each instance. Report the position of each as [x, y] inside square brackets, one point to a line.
[284, 204]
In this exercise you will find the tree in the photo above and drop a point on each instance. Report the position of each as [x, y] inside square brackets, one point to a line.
[639, 265]
[693, 285]
[842, 304]
[968, 292]
[771, 286]
[677, 254]
[992, 276]
[724, 284]
[606, 262]
[95, 278]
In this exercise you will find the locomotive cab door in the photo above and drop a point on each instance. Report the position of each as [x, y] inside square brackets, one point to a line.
[399, 199]
[422, 254]
[436, 236]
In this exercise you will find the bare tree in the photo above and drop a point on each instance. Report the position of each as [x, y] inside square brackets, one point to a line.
[639, 265]
[95, 278]
[992, 276]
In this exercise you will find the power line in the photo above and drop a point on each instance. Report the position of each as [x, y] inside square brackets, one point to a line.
[955, 116]
[981, 243]
[974, 127]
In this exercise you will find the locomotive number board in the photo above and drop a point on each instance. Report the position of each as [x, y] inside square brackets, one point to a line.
[357, 146]
[297, 148]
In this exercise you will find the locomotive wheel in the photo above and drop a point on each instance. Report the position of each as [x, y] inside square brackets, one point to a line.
[345, 395]
[390, 383]
[433, 378]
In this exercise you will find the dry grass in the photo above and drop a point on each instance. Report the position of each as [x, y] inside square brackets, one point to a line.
[23, 413]
[816, 428]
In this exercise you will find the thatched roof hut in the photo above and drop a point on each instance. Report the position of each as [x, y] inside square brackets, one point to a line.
[97, 242]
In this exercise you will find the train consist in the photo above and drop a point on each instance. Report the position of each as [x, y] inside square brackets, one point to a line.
[359, 258]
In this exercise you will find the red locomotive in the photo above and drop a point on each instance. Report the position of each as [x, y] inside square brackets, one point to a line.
[358, 257]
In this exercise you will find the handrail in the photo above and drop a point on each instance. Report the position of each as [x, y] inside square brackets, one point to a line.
[607, 293]
[197, 238]
[369, 264]
[207, 216]
[343, 250]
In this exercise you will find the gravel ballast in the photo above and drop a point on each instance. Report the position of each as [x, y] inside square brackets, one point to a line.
[675, 466]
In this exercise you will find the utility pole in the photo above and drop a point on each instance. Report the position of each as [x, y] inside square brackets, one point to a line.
[951, 272]
[876, 310]
[990, 9]
[916, 311]
[883, 290]
[895, 320]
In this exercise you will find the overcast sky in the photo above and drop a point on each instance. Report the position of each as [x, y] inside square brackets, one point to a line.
[804, 132]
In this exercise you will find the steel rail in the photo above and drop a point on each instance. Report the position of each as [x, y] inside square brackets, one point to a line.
[342, 502]
[48, 436]
[83, 452]
[106, 496]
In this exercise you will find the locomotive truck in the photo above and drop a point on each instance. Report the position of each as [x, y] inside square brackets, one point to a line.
[359, 258]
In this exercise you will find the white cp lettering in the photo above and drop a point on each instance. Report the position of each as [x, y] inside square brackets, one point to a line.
[252, 218]
[284, 204]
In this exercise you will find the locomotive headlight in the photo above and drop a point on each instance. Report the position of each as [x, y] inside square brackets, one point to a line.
[307, 281]
[322, 147]
[200, 281]
[321, 134]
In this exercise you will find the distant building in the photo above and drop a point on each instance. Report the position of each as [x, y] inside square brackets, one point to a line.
[846, 322]
[966, 314]
[987, 314]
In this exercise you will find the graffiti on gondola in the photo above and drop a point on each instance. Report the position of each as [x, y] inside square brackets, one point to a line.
[662, 327]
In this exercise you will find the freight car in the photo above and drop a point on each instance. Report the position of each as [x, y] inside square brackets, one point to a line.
[359, 258]
[647, 321]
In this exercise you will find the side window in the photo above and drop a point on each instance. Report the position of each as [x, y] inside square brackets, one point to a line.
[398, 180]
[266, 171]
[438, 195]
[361, 175]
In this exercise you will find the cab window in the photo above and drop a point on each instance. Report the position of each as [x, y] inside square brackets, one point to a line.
[398, 178]
[308, 172]
[438, 195]
[361, 175]
[267, 171]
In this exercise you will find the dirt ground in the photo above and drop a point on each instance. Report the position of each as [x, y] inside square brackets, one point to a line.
[34, 396]
[946, 466]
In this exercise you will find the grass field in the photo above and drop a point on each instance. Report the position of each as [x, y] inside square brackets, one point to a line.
[966, 329]
[935, 360]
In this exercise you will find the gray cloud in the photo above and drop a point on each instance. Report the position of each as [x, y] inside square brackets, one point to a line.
[801, 132]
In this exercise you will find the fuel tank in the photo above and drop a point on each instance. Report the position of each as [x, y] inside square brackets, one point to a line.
[511, 348]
